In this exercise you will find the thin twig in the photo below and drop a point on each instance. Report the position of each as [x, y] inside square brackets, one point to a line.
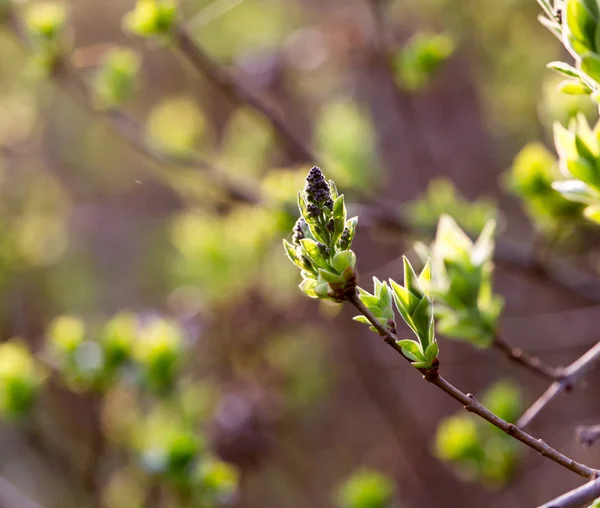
[472, 405]
[571, 375]
[532, 363]
[588, 435]
[577, 497]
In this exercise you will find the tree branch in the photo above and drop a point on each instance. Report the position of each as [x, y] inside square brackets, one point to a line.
[472, 405]
[237, 93]
[571, 375]
[532, 363]
[588, 435]
[577, 497]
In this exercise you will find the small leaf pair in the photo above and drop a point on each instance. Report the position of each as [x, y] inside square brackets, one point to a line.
[414, 303]
[463, 285]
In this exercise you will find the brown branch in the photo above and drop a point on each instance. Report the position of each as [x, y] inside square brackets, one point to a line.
[577, 497]
[588, 435]
[532, 363]
[472, 405]
[571, 375]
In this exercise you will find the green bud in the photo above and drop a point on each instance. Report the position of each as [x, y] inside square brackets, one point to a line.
[66, 333]
[116, 79]
[151, 18]
[366, 489]
[118, 337]
[158, 352]
[45, 21]
[217, 482]
[20, 380]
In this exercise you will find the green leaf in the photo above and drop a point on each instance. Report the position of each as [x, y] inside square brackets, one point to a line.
[412, 349]
[405, 300]
[421, 318]
[432, 350]
[302, 206]
[575, 190]
[307, 286]
[339, 218]
[593, 213]
[411, 281]
[321, 289]
[590, 64]
[370, 301]
[484, 246]
[563, 68]
[333, 190]
[573, 87]
[583, 170]
[313, 252]
[362, 319]
[293, 256]
[581, 22]
[564, 140]
[328, 276]
[425, 281]
[343, 260]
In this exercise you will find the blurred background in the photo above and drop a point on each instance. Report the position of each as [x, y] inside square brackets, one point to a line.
[237, 389]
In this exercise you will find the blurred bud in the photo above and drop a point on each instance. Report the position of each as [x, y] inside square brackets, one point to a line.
[504, 400]
[66, 333]
[414, 303]
[366, 489]
[20, 380]
[116, 79]
[118, 337]
[158, 351]
[151, 18]
[45, 21]
[457, 439]
[416, 63]
[479, 451]
[217, 481]
[166, 446]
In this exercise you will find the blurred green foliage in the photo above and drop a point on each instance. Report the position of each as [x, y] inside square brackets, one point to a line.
[477, 449]
[345, 137]
[418, 60]
[21, 378]
[366, 488]
[530, 178]
[442, 198]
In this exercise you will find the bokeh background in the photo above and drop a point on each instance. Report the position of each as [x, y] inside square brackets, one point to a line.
[416, 106]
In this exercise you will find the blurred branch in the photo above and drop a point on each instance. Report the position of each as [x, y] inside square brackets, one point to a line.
[12, 497]
[97, 445]
[472, 405]
[571, 375]
[588, 435]
[575, 498]
[65, 74]
[236, 92]
[532, 363]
